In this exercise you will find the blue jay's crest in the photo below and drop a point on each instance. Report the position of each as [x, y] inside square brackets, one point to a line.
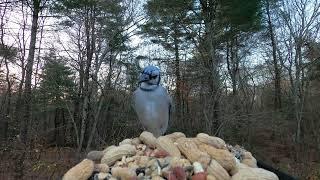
[151, 70]
[150, 75]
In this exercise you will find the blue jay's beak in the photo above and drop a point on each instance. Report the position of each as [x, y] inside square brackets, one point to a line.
[144, 78]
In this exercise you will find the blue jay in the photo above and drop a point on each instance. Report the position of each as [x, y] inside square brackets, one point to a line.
[151, 102]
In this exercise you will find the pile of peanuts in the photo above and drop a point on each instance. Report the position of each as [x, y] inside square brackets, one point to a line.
[173, 157]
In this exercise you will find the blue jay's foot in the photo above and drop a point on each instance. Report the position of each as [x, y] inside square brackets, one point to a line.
[164, 134]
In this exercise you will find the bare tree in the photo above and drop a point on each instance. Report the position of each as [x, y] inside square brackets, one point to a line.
[276, 65]
[41, 25]
[300, 19]
[36, 8]
[7, 53]
[233, 63]
[21, 40]
[211, 62]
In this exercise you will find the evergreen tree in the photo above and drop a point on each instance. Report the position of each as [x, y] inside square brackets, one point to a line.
[55, 89]
[57, 84]
[166, 24]
[239, 20]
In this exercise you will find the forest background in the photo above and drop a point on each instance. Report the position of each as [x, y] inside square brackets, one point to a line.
[247, 71]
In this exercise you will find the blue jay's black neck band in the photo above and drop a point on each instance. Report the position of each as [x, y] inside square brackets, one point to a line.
[143, 81]
[159, 80]
[146, 89]
[146, 80]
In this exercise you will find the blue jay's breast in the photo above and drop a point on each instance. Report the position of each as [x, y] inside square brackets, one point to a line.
[151, 104]
[152, 108]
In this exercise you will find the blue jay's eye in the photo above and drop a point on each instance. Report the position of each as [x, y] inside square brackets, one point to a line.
[152, 77]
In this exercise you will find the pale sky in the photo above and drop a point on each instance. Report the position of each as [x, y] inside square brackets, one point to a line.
[13, 33]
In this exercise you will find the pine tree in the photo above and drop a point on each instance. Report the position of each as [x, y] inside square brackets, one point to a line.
[56, 88]
[166, 26]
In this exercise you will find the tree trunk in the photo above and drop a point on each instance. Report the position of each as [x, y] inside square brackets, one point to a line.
[298, 89]
[92, 49]
[233, 66]
[110, 70]
[211, 64]
[22, 46]
[8, 101]
[89, 27]
[5, 111]
[78, 101]
[20, 89]
[95, 122]
[277, 71]
[59, 123]
[27, 96]
[235, 73]
[178, 77]
[38, 58]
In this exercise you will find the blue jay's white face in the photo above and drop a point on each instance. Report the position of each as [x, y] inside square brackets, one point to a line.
[150, 75]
